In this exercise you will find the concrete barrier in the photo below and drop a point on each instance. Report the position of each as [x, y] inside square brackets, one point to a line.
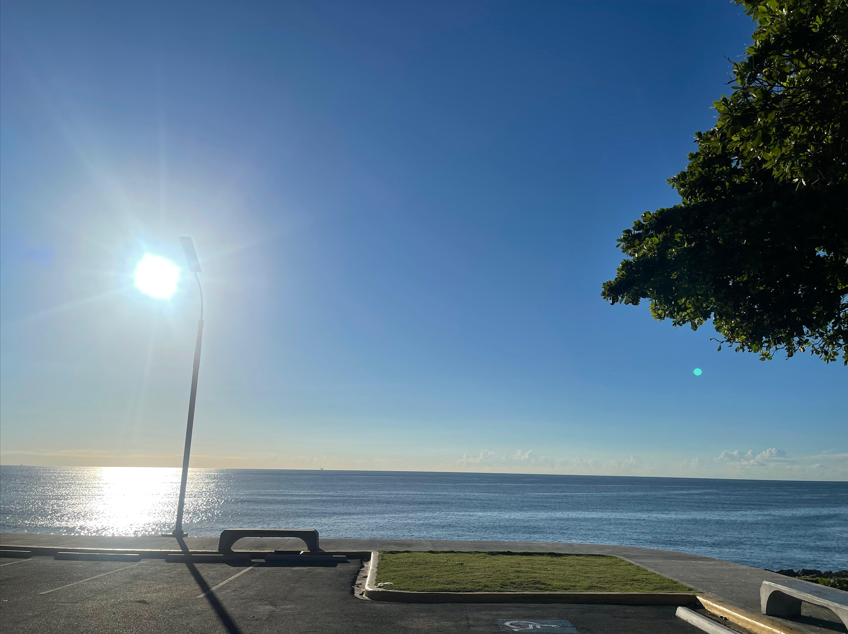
[702, 622]
[784, 598]
[231, 535]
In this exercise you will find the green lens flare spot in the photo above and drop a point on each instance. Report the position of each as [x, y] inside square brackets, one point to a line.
[697, 371]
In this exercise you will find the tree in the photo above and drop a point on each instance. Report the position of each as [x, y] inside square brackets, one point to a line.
[759, 241]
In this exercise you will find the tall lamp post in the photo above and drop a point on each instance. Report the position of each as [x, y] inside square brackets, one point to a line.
[194, 267]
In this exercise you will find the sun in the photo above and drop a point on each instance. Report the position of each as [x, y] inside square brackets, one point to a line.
[156, 276]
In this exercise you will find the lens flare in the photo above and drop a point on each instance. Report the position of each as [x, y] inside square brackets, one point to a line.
[697, 371]
[156, 276]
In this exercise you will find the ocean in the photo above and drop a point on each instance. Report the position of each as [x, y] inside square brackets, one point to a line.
[765, 524]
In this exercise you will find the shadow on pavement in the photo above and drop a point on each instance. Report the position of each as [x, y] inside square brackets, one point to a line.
[221, 612]
[825, 624]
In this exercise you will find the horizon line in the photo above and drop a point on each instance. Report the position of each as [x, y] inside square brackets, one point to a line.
[513, 473]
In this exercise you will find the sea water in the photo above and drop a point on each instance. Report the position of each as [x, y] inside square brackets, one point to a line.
[760, 523]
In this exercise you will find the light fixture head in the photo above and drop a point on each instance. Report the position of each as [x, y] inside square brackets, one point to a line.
[191, 254]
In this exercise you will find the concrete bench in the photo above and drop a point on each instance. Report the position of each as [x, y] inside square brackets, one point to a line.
[784, 598]
[231, 535]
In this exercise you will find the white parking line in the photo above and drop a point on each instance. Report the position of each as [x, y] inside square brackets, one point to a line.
[90, 578]
[12, 563]
[225, 581]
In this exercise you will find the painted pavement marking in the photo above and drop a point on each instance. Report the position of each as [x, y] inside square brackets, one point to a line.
[103, 574]
[525, 625]
[12, 563]
[226, 581]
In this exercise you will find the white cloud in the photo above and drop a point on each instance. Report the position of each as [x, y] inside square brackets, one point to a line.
[769, 463]
[730, 456]
[776, 463]
[749, 459]
[528, 461]
[519, 458]
[771, 453]
[691, 464]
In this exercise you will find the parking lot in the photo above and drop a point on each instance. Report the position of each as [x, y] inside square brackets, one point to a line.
[42, 595]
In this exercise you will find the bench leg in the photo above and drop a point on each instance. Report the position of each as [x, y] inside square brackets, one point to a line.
[775, 603]
[225, 544]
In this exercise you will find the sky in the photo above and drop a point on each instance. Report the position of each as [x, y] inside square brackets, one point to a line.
[404, 211]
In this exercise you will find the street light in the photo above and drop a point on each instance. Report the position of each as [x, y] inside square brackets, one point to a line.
[194, 267]
[158, 277]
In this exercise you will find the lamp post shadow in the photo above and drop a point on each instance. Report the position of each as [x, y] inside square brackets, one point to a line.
[220, 611]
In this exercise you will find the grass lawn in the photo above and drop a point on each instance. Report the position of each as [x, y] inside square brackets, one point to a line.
[449, 571]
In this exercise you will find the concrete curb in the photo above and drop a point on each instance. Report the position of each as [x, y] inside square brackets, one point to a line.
[74, 556]
[16, 554]
[752, 621]
[178, 557]
[9, 550]
[702, 622]
[374, 593]
[306, 560]
[52, 551]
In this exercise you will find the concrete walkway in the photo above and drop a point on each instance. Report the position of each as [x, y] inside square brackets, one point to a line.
[733, 584]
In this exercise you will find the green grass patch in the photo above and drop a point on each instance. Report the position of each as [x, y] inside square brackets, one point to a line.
[450, 571]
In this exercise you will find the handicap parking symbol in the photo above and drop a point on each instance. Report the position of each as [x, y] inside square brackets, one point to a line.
[540, 627]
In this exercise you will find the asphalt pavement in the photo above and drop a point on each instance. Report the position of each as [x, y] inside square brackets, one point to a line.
[42, 595]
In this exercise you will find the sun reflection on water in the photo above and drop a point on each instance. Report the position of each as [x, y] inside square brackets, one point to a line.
[132, 500]
[109, 500]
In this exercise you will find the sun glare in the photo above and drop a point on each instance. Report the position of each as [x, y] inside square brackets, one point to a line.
[156, 276]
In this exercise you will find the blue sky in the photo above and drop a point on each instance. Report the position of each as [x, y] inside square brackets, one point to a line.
[405, 212]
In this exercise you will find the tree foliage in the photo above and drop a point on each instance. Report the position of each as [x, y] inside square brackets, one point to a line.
[759, 242]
